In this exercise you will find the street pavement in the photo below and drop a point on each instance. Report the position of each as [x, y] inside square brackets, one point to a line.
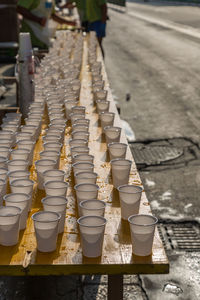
[152, 55]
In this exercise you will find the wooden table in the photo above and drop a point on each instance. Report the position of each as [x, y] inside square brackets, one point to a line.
[117, 258]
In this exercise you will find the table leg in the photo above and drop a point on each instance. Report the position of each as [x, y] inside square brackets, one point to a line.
[115, 287]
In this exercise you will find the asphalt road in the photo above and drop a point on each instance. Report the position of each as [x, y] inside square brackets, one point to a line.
[159, 67]
[152, 54]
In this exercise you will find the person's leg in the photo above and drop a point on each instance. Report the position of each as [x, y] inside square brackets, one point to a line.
[100, 39]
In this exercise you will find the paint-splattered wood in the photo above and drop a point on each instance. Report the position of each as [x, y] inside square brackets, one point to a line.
[117, 258]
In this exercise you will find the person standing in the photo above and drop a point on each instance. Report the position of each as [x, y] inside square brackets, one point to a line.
[96, 14]
[35, 14]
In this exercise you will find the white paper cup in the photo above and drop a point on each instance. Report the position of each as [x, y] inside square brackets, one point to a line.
[102, 106]
[52, 138]
[56, 204]
[129, 196]
[120, 171]
[80, 135]
[19, 200]
[82, 121]
[92, 207]
[107, 119]
[9, 225]
[82, 166]
[6, 142]
[56, 188]
[80, 127]
[5, 152]
[68, 107]
[92, 234]
[19, 174]
[17, 164]
[24, 186]
[117, 150]
[83, 158]
[86, 191]
[20, 154]
[112, 134]
[74, 117]
[29, 145]
[142, 229]
[53, 146]
[51, 175]
[79, 150]
[85, 177]
[48, 154]
[46, 230]
[43, 165]
[25, 136]
[100, 95]
[78, 142]
[80, 110]
[3, 162]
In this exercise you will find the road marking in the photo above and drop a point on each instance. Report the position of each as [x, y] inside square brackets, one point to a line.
[168, 24]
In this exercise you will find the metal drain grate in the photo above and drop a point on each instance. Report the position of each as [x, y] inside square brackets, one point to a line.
[180, 236]
[154, 155]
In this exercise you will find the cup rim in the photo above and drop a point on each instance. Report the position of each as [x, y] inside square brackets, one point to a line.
[16, 150]
[120, 159]
[63, 172]
[58, 204]
[107, 112]
[94, 226]
[90, 184]
[95, 200]
[81, 163]
[116, 143]
[10, 172]
[29, 180]
[81, 172]
[116, 128]
[45, 159]
[27, 141]
[11, 214]
[50, 181]
[18, 160]
[1, 168]
[24, 200]
[44, 212]
[143, 225]
[134, 185]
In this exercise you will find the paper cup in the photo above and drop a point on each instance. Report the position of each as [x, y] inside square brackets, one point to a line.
[46, 230]
[56, 204]
[3, 162]
[129, 196]
[142, 229]
[17, 164]
[24, 186]
[120, 171]
[117, 150]
[19, 174]
[107, 119]
[51, 175]
[112, 134]
[102, 106]
[43, 165]
[56, 188]
[85, 177]
[19, 200]
[5, 152]
[9, 225]
[92, 234]
[92, 208]
[82, 166]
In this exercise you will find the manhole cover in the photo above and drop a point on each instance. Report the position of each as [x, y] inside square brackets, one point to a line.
[180, 236]
[154, 155]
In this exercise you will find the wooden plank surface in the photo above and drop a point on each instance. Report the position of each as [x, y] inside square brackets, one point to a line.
[117, 258]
